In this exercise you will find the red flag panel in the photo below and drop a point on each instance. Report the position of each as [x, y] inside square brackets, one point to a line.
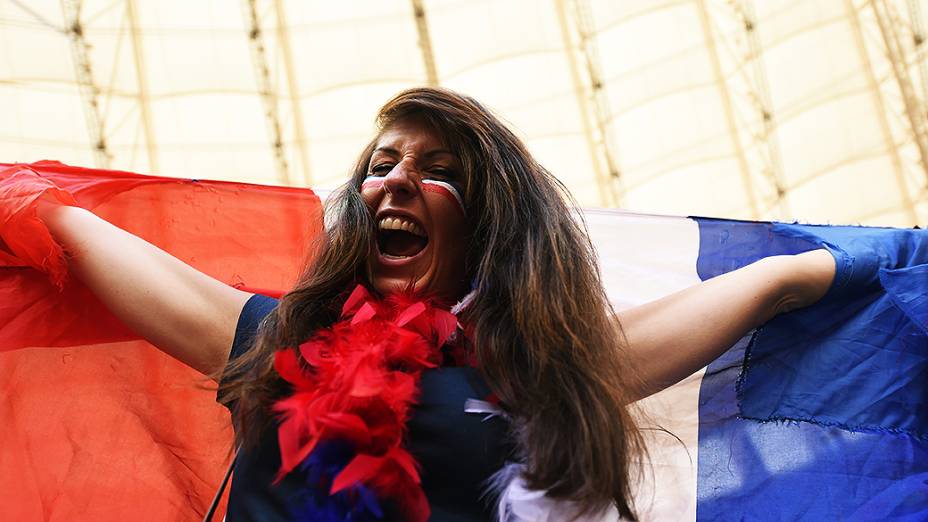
[99, 425]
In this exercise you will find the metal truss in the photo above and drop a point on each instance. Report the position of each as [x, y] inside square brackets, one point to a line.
[90, 92]
[892, 30]
[728, 107]
[142, 83]
[884, 112]
[919, 38]
[425, 43]
[749, 109]
[918, 41]
[266, 90]
[299, 132]
[580, 44]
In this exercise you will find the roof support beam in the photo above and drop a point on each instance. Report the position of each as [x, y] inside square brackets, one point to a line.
[293, 89]
[728, 108]
[266, 90]
[914, 108]
[90, 92]
[142, 84]
[425, 43]
[918, 38]
[882, 111]
[762, 123]
[580, 45]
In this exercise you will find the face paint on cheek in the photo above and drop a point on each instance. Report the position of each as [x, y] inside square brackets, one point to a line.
[372, 183]
[447, 190]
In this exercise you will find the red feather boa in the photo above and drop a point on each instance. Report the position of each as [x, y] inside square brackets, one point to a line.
[356, 381]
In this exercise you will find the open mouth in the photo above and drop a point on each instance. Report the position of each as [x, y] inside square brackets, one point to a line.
[400, 238]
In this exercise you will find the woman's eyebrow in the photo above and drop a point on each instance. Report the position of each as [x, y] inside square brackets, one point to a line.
[429, 154]
[438, 152]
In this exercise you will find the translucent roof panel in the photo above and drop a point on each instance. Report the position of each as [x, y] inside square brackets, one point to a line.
[811, 111]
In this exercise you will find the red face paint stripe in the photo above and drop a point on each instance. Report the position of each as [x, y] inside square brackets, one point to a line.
[372, 182]
[444, 189]
[427, 185]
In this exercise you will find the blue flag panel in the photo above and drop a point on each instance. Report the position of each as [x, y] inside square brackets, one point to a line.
[822, 414]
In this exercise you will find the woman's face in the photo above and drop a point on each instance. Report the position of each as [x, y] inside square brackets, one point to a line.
[413, 192]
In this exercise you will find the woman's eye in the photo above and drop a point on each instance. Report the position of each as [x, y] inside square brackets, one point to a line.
[440, 173]
[382, 169]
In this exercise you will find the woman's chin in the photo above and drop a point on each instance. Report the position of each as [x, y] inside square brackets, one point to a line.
[386, 285]
[390, 280]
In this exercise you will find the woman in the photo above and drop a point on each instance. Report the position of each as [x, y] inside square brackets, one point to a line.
[446, 204]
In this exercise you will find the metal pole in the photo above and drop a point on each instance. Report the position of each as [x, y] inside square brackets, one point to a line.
[895, 53]
[283, 40]
[766, 142]
[882, 111]
[142, 82]
[580, 46]
[266, 90]
[90, 92]
[728, 108]
[425, 43]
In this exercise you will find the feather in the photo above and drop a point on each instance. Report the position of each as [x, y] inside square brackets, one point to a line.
[410, 313]
[464, 303]
[356, 503]
[287, 365]
[358, 296]
[445, 323]
[477, 406]
[353, 386]
[366, 312]
[361, 469]
[517, 503]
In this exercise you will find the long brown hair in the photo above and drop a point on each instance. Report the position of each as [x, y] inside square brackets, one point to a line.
[546, 338]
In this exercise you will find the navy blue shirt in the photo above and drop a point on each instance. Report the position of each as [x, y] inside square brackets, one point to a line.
[458, 451]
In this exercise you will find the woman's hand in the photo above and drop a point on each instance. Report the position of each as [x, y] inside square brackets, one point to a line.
[676, 335]
[24, 240]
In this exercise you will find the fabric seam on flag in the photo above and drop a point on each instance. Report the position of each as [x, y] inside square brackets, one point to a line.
[894, 299]
[782, 419]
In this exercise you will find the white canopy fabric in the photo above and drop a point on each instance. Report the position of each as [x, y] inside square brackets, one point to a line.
[774, 109]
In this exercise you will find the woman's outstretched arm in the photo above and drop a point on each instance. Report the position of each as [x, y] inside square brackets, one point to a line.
[187, 314]
[672, 337]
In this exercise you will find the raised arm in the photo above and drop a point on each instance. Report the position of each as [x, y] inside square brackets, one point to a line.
[674, 336]
[182, 311]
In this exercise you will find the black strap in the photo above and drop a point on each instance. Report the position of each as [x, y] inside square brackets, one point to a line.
[222, 487]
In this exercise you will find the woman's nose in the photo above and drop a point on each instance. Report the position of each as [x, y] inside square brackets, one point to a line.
[401, 181]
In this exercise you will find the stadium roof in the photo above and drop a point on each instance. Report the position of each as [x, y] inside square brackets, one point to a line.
[758, 110]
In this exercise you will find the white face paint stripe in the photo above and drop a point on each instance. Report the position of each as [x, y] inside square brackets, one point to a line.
[428, 185]
[432, 185]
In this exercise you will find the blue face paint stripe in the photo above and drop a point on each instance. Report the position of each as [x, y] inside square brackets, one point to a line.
[452, 187]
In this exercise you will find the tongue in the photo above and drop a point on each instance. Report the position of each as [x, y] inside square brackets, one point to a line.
[403, 244]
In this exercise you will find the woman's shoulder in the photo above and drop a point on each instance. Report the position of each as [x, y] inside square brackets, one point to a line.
[253, 312]
[255, 309]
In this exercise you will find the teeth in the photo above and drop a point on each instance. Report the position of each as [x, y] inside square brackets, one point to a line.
[398, 223]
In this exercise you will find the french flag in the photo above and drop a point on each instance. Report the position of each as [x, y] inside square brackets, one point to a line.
[820, 414]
